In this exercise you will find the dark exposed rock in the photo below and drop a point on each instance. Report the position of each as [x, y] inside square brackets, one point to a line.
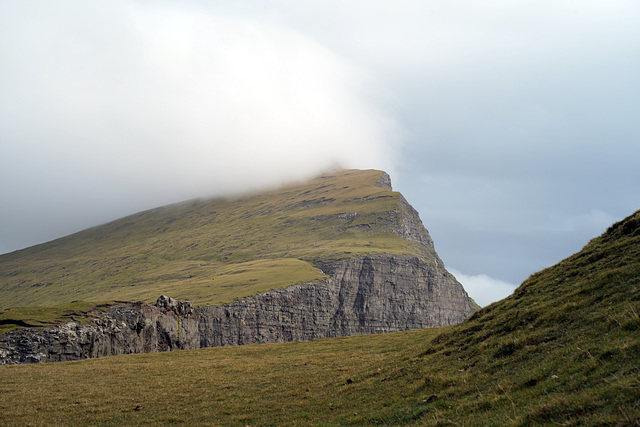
[178, 307]
[431, 398]
[37, 285]
[125, 328]
[385, 181]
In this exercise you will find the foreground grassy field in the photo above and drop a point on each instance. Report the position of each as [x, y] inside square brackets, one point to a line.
[564, 349]
[213, 251]
[323, 381]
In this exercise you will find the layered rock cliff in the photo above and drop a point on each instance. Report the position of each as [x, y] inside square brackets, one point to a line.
[125, 328]
[373, 294]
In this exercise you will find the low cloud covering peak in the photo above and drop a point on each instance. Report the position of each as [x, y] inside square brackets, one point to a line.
[141, 104]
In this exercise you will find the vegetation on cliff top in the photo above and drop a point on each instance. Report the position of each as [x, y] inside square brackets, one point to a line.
[213, 251]
[564, 349]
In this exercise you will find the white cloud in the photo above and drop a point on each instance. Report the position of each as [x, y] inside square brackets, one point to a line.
[482, 288]
[187, 97]
[138, 105]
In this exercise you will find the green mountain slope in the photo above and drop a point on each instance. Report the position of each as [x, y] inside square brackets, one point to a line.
[213, 251]
[564, 349]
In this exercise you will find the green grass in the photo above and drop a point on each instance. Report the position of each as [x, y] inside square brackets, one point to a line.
[208, 283]
[189, 250]
[564, 349]
[326, 381]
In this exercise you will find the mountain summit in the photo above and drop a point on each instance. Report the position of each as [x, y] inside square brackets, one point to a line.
[339, 255]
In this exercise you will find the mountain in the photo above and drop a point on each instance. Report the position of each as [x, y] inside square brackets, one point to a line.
[564, 349]
[340, 255]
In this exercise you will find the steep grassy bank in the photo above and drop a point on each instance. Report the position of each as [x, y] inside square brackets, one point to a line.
[214, 251]
[564, 349]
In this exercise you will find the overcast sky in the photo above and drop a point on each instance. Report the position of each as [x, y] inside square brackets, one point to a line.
[511, 126]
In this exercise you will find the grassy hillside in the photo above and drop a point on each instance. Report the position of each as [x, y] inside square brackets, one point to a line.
[212, 251]
[563, 350]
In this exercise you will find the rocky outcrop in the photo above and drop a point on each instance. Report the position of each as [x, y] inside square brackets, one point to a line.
[384, 181]
[124, 328]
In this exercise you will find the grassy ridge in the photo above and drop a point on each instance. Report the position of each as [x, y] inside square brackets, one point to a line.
[212, 251]
[564, 349]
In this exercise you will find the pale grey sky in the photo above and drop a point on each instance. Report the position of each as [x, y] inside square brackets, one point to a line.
[511, 126]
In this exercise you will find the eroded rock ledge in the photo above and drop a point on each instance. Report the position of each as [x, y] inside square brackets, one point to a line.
[125, 328]
[373, 294]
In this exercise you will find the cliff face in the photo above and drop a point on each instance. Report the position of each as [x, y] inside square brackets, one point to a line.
[125, 328]
[374, 294]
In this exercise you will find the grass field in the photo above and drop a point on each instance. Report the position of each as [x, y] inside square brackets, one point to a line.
[564, 349]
